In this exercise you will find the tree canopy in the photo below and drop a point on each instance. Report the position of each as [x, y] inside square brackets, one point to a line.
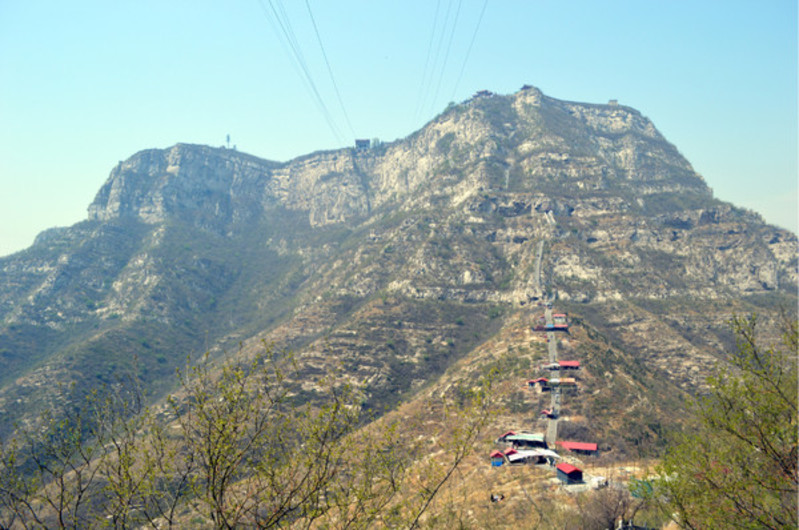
[736, 467]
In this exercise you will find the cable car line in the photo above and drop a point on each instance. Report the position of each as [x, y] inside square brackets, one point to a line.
[420, 97]
[329, 69]
[285, 24]
[428, 81]
[435, 65]
[285, 45]
[446, 56]
[469, 49]
[439, 46]
[281, 23]
[287, 33]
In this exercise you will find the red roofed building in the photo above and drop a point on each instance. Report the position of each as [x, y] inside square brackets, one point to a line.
[579, 447]
[569, 474]
[497, 458]
[504, 436]
[569, 365]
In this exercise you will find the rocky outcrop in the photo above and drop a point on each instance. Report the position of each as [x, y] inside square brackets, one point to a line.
[502, 143]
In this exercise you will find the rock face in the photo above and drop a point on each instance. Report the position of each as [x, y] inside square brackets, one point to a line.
[524, 142]
[395, 260]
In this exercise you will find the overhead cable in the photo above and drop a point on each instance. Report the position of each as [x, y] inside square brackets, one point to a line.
[329, 69]
[420, 98]
[439, 46]
[280, 21]
[434, 66]
[446, 56]
[469, 50]
[285, 24]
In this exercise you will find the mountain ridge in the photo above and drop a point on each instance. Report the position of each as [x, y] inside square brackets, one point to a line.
[406, 163]
[396, 260]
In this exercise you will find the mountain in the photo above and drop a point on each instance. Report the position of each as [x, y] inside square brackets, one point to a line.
[398, 260]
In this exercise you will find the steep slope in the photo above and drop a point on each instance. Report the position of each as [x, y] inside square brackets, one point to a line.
[394, 261]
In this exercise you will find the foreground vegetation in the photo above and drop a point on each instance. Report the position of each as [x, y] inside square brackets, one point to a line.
[242, 446]
[232, 449]
[737, 465]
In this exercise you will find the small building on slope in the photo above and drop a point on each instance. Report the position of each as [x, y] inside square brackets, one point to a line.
[563, 381]
[569, 365]
[526, 439]
[562, 365]
[497, 458]
[504, 437]
[532, 456]
[542, 381]
[569, 474]
[585, 448]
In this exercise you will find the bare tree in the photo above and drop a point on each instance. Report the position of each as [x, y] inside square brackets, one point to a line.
[49, 475]
[234, 448]
[606, 507]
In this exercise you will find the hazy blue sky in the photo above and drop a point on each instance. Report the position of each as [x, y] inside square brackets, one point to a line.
[84, 84]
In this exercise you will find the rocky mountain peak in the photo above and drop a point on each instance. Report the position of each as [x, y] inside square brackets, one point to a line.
[519, 142]
[186, 181]
[397, 259]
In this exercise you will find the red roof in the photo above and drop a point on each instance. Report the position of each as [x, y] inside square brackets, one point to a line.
[569, 364]
[558, 315]
[496, 454]
[507, 433]
[568, 468]
[510, 451]
[579, 446]
[533, 381]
